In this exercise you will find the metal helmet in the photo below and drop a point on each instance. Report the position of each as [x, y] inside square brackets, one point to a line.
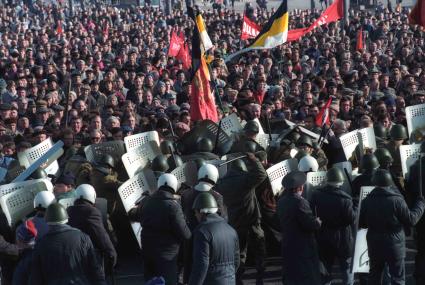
[334, 176]
[174, 161]
[39, 173]
[204, 145]
[86, 192]
[43, 199]
[398, 132]
[56, 214]
[239, 164]
[107, 160]
[369, 162]
[166, 147]
[168, 180]
[252, 127]
[159, 163]
[380, 131]
[384, 156]
[304, 140]
[205, 203]
[308, 164]
[250, 146]
[382, 178]
[293, 136]
[208, 173]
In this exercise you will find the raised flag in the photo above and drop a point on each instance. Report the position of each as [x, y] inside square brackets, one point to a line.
[273, 34]
[249, 29]
[205, 38]
[360, 43]
[176, 43]
[184, 56]
[332, 14]
[202, 103]
[417, 15]
[323, 117]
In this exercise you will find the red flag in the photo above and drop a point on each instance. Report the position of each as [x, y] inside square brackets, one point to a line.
[333, 13]
[59, 29]
[323, 117]
[360, 44]
[184, 56]
[249, 29]
[417, 15]
[202, 103]
[176, 44]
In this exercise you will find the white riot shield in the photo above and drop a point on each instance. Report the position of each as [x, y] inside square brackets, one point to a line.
[29, 156]
[19, 201]
[231, 125]
[264, 140]
[95, 152]
[278, 171]
[361, 258]
[186, 173]
[408, 155]
[314, 180]
[350, 141]
[137, 158]
[138, 140]
[415, 118]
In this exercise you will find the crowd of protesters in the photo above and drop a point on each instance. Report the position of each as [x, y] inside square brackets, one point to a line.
[102, 73]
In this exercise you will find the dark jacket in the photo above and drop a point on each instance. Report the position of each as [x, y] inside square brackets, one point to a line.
[87, 218]
[187, 199]
[335, 208]
[364, 179]
[65, 255]
[412, 189]
[215, 252]
[299, 248]
[23, 269]
[163, 223]
[384, 213]
[238, 190]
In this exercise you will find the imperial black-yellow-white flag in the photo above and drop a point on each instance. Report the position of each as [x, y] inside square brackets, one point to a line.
[273, 34]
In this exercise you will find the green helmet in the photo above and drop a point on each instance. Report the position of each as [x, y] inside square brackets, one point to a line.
[159, 163]
[398, 132]
[293, 136]
[205, 201]
[56, 214]
[382, 178]
[304, 140]
[39, 173]
[174, 161]
[107, 160]
[335, 175]
[380, 131]
[166, 147]
[252, 127]
[384, 156]
[250, 146]
[204, 145]
[369, 162]
[199, 162]
[239, 164]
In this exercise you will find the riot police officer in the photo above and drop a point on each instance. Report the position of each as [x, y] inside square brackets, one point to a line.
[164, 229]
[368, 166]
[384, 213]
[306, 144]
[335, 237]
[298, 226]
[398, 135]
[215, 247]
[42, 200]
[250, 132]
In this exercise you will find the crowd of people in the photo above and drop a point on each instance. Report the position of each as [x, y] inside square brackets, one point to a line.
[102, 73]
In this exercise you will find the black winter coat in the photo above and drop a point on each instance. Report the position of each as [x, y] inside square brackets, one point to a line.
[65, 255]
[412, 189]
[335, 208]
[87, 218]
[216, 252]
[384, 213]
[238, 190]
[299, 249]
[163, 223]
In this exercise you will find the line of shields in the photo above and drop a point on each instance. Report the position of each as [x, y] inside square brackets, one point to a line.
[138, 151]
